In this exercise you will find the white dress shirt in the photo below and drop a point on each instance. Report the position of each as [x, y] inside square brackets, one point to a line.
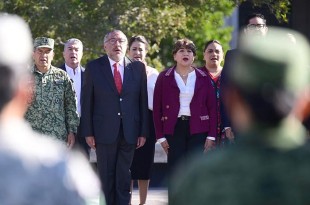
[151, 74]
[75, 76]
[186, 92]
[120, 66]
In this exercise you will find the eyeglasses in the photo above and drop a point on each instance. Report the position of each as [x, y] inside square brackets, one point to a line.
[255, 26]
[114, 40]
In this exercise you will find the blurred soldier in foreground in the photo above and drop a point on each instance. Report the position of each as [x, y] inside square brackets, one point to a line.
[35, 170]
[269, 165]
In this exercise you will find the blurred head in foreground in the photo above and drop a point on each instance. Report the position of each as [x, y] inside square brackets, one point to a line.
[267, 79]
[34, 169]
[15, 58]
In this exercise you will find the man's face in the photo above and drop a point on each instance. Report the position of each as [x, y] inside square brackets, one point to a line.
[72, 54]
[256, 27]
[43, 58]
[116, 46]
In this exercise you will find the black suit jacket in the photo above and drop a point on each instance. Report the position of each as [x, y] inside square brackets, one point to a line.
[228, 67]
[104, 109]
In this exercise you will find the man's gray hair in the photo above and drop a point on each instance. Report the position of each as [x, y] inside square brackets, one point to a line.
[106, 37]
[72, 41]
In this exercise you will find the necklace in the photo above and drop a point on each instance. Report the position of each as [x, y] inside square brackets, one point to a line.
[184, 75]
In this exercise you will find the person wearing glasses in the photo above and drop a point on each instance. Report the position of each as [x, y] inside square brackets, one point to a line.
[255, 26]
[114, 116]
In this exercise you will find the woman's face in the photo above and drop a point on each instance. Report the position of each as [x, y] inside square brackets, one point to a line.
[184, 57]
[137, 51]
[213, 55]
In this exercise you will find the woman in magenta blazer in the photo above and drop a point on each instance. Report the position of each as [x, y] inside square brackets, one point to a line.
[184, 106]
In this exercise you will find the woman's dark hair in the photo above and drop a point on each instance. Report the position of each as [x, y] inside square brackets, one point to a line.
[138, 38]
[211, 41]
[184, 43]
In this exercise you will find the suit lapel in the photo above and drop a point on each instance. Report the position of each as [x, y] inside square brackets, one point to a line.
[171, 77]
[63, 67]
[82, 74]
[127, 74]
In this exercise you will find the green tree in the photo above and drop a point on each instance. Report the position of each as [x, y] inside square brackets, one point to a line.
[161, 21]
[280, 8]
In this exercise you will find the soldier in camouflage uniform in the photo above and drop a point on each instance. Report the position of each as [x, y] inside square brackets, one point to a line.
[269, 165]
[53, 108]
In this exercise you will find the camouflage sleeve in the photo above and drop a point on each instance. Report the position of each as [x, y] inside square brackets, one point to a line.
[72, 118]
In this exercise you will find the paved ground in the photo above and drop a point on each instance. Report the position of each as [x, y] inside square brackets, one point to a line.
[155, 197]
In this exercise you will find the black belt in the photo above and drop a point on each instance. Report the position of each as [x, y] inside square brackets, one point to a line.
[184, 117]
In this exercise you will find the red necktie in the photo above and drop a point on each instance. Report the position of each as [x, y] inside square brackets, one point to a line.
[117, 78]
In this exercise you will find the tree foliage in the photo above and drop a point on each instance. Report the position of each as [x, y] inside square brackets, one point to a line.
[280, 8]
[161, 21]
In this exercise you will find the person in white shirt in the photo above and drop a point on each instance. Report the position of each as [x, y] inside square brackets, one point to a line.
[73, 53]
[144, 157]
[184, 107]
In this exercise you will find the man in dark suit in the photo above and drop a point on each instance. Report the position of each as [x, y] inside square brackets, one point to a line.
[115, 115]
[255, 25]
[73, 53]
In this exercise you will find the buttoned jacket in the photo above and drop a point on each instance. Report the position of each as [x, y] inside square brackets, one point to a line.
[104, 109]
[166, 105]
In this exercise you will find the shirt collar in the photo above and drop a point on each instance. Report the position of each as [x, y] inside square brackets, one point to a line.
[77, 69]
[36, 70]
[112, 62]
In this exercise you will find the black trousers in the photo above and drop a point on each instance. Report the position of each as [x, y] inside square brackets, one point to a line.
[80, 143]
[182, 144]
[113, 163]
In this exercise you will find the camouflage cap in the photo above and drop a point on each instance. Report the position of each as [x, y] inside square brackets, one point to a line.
[44, 42]
[273, 61]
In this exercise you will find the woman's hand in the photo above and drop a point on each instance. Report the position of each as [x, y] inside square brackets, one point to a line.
[209, 145]
[165, 146]
[229, 134]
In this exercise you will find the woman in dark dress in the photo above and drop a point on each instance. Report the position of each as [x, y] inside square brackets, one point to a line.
[144, 156]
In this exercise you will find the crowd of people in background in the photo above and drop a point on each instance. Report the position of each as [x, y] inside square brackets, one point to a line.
[119, 107]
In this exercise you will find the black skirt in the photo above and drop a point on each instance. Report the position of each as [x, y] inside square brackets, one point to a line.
[144, 157]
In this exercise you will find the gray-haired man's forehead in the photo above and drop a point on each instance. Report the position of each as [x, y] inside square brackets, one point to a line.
[72, 41]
